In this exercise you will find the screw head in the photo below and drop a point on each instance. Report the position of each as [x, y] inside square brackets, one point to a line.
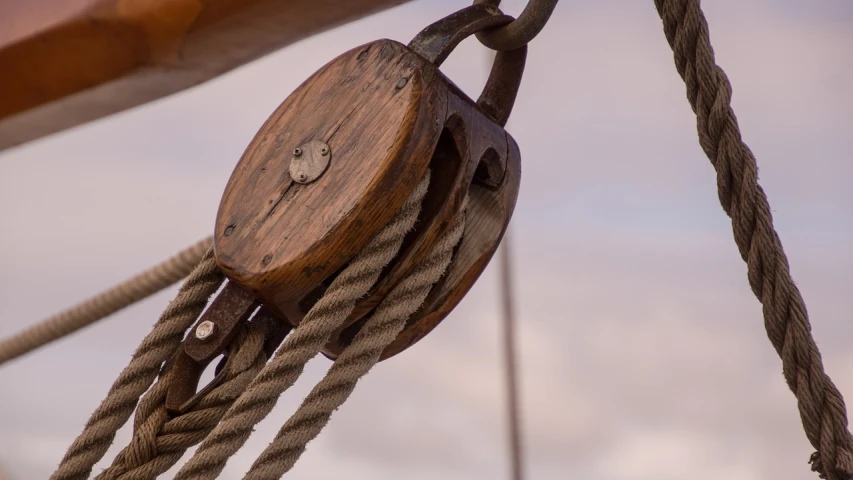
[205, 330]
[324, 150]
[297, 152]
[302, 177]
[402, 82]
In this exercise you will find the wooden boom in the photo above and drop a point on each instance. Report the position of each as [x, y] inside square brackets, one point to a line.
[67, 62]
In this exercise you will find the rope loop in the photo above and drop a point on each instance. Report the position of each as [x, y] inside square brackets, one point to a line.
[522, 30]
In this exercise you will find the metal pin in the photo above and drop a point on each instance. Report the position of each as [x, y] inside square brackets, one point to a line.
[205, 330]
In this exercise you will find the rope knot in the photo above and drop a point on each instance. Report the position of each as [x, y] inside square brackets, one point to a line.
[160, 439]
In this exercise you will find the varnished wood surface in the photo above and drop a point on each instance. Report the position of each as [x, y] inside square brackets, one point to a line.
[68, 62]
[387, 114]
[489, 174]
[489, 212]
[280, 239]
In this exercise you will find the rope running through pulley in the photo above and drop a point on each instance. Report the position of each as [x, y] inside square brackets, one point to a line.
[358, 217]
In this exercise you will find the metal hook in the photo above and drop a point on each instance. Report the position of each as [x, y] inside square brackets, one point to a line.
[521, 31]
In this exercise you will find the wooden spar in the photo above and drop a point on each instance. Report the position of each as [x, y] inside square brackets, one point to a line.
[67, 62]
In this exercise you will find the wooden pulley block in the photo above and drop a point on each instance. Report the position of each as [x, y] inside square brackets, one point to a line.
[337, 159]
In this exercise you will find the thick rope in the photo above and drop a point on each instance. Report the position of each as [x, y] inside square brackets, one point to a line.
[160, 440]
[160, 345]
[104, 304]
[356, 360]
[821, 405]
[303, 343]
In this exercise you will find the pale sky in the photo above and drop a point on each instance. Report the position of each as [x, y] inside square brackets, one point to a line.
[643, 354]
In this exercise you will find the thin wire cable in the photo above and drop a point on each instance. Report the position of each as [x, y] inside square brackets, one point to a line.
[510, 362]
[514, 442]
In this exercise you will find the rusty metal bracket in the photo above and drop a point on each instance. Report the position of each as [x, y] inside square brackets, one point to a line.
[186, 372]
[437, 41]
[208, 338]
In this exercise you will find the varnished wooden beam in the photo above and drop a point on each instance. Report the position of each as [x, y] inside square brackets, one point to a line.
[68, 62]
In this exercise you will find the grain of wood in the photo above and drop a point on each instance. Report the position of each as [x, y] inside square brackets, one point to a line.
[68, 62]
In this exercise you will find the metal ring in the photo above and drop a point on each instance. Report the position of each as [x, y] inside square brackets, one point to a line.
[520, 32]
[435, 42]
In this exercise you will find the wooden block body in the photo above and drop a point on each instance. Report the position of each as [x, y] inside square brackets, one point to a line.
[387, 115]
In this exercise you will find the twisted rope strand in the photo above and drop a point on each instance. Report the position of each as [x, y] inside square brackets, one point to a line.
[821, 405]
[357, 359]
[302, 344]
[105, 303]
[160, 440]
[159, 345]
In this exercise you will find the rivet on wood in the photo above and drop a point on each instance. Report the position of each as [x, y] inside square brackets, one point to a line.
[310, 162]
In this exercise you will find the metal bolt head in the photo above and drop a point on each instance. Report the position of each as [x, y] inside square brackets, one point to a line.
[297, 152]
[205, 330]
[402, 82]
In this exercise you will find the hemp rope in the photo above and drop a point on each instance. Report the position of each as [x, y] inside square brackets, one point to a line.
[158, 346]
[160, 440]
[303, 343]
[821, 405]
[104, 304]
[357, 359]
